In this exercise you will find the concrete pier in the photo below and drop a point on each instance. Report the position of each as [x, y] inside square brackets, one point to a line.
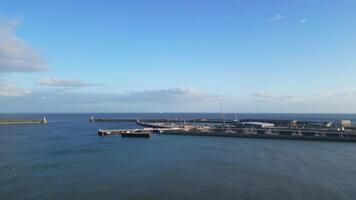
[17, 121]
[291, 134]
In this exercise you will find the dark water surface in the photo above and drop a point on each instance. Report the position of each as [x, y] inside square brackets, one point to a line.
[65, 159]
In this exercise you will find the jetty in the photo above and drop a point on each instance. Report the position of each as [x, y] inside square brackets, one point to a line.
[25, 121]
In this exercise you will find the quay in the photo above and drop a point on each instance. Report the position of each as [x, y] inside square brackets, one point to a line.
[290, 134]
[263, 134]
[338, 131]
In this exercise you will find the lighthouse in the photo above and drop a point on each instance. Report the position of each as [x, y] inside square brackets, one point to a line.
[44, 121]
[92, 119]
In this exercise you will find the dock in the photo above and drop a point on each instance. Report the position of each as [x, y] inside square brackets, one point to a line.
[290, 134]
[248, 128]
[268, 134]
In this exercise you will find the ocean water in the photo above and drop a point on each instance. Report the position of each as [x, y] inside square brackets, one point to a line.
[65, 159]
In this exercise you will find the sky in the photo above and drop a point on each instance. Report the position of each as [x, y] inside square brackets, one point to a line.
[272, 56]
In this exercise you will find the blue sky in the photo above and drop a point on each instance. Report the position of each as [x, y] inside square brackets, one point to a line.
[177, 56]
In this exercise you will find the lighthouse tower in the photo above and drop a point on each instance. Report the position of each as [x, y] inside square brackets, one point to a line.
[44, 121]
[92, 119]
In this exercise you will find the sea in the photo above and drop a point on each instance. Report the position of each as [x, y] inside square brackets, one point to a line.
[66, 159]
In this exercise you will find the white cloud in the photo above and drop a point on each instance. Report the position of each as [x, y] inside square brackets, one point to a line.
[269, 96]
[62, 100]
[189, 94]
[167, 100]
[303, 21]
[9, 90]
[337, 94]
[15, 54]
[277, 18]
[57, 82]
[163, 96]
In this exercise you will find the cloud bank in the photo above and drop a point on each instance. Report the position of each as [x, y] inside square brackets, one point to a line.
[9, 90]
[62, 100]
[163, 96]
[57, 82]
[15, 54]
[172, 95]
[271, 97]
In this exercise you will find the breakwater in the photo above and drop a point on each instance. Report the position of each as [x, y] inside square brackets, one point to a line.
[14, 122]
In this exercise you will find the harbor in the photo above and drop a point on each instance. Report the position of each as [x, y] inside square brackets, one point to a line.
[70, 142]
